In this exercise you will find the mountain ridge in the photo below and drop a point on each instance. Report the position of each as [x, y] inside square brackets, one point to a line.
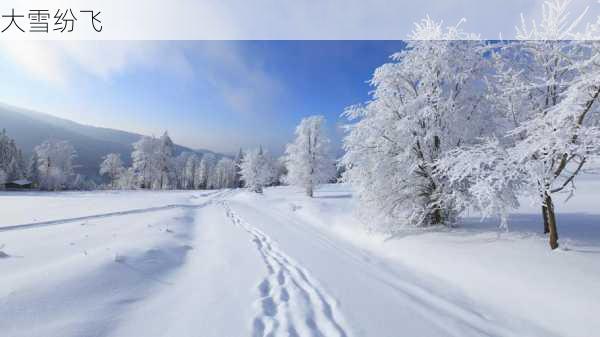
[30, 128]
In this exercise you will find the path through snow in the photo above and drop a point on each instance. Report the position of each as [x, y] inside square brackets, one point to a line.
[234, 263]
[291, 302]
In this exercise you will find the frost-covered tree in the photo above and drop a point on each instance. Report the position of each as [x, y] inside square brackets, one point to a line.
[189, 171]
[205, 170]
[153, 163]
[257, 170]
[224, 173]
[164, 162]
[127, 180]
[482, 177]
[547, 91]
[143, 161]
[553, 143]
[55, 164]
[112, 166]
[80, 183]
[33, 173]
[11, 158]
[179, 170]
[2, 178]
[191, 175]
[425, 103]
[281, 171]
[14, 169]
[308, 160]
[238, 176]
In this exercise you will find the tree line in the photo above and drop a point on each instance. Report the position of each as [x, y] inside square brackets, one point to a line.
[49, 168]
[156, 167]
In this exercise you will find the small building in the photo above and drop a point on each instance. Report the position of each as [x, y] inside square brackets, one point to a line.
[21, 184]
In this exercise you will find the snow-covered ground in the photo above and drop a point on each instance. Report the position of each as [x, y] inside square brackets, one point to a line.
[234, 263]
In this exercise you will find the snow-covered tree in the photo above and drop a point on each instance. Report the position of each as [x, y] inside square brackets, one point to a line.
[80, 183]
[257, 170]
[55, 164]
[224, 173]
[189, 171]
[238, 175]
[547, 91]
[554, 143]
[281, 170]
[112, 166]
[179, 165]
[164, 162]
[11, 158]
[144, 158]
[308, 160]
[32, 172]
[2, 178]
[428, 101]
[127, 180]
[482, 177]
[153, 162]
[205, 170]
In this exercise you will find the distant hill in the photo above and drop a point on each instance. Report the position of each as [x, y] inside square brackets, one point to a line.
[30, 128]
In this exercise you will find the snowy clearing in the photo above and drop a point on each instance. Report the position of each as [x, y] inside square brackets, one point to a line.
[235, 263]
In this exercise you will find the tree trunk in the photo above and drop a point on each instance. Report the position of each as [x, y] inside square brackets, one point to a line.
[551, 221]
[437, 217]
[545, 215]
[309, 191]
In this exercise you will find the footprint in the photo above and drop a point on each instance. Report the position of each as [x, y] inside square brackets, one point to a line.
[285, 296]
[269, 307]
[306, 308]
[264, 287]
[259, 328]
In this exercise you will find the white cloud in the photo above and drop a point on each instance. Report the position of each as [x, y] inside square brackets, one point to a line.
[37, 59]
[242, 83]
[59, 62]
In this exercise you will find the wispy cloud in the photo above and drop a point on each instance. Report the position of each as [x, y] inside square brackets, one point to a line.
[60, 62]
[243, 82]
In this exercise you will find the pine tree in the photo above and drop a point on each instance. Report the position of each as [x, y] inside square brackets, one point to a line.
[238, 175]
[11, 158]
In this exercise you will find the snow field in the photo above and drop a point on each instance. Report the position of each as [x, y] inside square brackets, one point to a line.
[236, 263]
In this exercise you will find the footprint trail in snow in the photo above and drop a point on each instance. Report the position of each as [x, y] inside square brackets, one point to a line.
[291, 303]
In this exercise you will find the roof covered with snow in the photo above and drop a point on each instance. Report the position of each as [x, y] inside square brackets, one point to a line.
[21, 182]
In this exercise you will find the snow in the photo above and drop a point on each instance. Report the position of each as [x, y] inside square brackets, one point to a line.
[236, 263]
[33, 207]
[21, 182]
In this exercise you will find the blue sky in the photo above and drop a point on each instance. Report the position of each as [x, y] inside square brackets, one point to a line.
[219, 95]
